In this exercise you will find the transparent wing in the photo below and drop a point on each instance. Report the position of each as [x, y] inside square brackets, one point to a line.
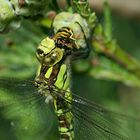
[93, 122]
[23, 110]
[26, 114]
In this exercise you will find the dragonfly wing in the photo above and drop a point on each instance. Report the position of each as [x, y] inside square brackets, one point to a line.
[23, 109]
[93, 122]
[98, 123]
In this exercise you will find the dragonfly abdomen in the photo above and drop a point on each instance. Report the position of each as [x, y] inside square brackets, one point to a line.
[65, 118]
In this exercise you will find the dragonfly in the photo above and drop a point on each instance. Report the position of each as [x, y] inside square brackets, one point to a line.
[77, 117]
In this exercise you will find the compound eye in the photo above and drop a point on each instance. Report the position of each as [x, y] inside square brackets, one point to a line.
[40, 52]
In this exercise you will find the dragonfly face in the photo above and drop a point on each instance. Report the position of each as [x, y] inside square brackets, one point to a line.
[47, 53]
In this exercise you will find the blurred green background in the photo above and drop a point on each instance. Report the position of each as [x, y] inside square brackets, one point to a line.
[17, 59]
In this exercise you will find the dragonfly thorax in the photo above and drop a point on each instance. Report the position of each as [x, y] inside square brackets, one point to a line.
[44, 90]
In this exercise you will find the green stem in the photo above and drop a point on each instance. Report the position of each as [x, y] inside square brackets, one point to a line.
[112, 50]
[82, 7]
[107, 22]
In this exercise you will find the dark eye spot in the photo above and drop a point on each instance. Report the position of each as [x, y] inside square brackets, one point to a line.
[39, 51]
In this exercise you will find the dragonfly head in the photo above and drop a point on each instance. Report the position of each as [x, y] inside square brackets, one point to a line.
[47, 52]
